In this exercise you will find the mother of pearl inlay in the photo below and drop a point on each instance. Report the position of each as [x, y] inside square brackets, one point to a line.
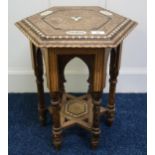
[106, 13]
[76, 32]
[45, 13]
[76, 18]
[97, 32]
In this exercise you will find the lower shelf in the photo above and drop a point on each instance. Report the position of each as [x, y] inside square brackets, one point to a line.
[77, 111]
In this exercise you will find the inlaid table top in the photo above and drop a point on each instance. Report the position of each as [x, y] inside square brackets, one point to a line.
[76, 27]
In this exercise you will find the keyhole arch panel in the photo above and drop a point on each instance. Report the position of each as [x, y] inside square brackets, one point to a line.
[66, 60]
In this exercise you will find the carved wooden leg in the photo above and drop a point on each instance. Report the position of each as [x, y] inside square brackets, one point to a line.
[96, 115]
[114, 70]
[90, 79]
[38, 68]
[61, 78]
[56, 131]
[98, 85]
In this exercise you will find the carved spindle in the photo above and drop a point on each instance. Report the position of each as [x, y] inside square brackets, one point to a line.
[96, 115]
[62, 80]
[56, 131]
[114, 70]
[90, 83]
[38, 68]
[90, 79]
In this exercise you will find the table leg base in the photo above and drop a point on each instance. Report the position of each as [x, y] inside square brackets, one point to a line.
[94, 145]
[110, 118]
[57, 147]
[42, 117]
[78, 111]
[95, 140]
[109, 122]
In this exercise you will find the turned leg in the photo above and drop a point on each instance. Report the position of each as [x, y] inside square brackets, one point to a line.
[96, 115]
[99, 75]
[90, 79]
[56, 130]
[38, 69]
[61, 78]
[114, 70]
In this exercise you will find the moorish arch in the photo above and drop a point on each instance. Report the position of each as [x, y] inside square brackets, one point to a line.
[66, 63]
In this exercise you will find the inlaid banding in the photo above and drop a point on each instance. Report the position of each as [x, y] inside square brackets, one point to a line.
[78, 34]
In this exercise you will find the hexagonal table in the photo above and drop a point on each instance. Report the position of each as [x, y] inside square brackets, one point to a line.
[90, 33]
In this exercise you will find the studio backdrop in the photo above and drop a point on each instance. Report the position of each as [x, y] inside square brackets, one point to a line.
[132, 76]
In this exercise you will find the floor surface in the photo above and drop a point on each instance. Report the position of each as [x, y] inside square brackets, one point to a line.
[127, 136]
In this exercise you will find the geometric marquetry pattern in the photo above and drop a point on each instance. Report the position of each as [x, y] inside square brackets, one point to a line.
[76, 110]
[79, 114]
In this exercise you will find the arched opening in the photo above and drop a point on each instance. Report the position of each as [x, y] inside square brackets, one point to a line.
[76, 74]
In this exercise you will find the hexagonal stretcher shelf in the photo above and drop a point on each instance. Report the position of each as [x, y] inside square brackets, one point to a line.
[77, 110]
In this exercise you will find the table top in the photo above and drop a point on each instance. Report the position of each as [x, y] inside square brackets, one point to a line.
[76, 27]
